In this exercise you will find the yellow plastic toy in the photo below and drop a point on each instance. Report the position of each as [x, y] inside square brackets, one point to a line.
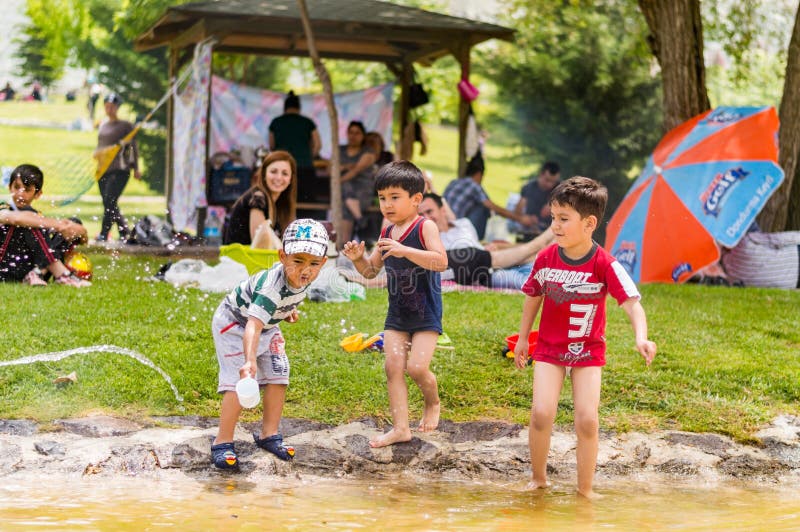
[360, 341]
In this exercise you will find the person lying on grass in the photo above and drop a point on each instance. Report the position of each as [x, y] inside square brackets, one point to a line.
[33, 246]
[248, 339]
[569, 282]
[414, 256]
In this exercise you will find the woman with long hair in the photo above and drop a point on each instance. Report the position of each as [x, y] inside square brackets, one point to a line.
[268, 207]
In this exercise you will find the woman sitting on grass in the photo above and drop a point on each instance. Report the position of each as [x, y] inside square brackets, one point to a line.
[264, 211]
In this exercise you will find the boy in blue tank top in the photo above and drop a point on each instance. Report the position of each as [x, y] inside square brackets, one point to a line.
[412, 253]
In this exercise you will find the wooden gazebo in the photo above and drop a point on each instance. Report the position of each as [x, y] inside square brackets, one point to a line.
[360, 30]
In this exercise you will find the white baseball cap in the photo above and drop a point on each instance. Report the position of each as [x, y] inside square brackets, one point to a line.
[306, 236]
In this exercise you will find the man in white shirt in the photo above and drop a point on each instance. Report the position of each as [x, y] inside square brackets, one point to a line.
[472, 263]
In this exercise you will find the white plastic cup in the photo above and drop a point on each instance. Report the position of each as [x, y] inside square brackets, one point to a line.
[247, 390]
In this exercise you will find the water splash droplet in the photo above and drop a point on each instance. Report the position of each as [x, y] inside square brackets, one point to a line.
[105, 348]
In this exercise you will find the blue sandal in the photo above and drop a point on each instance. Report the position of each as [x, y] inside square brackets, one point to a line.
[223, 455]
[274, 444]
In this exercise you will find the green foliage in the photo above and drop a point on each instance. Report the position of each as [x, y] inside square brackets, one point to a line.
[48, 41]
[746, 49]
[31, 52]
[578, 88]
[715, 371]
[252, 70]
[749, 32]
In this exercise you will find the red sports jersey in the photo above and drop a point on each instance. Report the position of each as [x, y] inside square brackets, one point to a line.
[573, 323]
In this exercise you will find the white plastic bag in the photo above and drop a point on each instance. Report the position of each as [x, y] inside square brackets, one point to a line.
[332, 287]
[223, 277]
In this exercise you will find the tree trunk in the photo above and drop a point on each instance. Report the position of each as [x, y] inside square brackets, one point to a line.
[782, 211]
[327, 88]
[677, 42]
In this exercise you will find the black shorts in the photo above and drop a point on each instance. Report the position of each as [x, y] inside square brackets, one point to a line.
[471, 266]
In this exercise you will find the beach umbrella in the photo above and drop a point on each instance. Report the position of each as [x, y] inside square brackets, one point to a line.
[703, 185]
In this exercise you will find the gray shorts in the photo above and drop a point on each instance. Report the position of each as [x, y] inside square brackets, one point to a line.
[271, 361]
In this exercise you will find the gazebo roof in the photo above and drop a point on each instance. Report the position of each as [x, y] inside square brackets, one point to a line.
[365, 30]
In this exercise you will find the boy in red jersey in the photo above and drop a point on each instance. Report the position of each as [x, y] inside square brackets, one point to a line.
[570, 281]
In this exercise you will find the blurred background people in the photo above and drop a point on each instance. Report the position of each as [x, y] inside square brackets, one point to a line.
[467, 199]
[262, 213]
[298, 135]
[534, 199]
[116, 176]
[358, 173]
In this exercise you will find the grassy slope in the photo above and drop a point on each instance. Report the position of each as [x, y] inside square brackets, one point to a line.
[716, 369]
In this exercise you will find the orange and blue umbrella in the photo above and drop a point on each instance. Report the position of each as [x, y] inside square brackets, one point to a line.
[703, 186]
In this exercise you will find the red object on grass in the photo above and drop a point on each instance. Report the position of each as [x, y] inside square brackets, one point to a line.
[511, 341]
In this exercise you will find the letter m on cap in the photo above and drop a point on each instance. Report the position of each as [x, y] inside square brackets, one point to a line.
[304, 231]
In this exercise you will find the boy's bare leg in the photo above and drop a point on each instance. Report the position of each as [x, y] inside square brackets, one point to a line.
[229, 414]
[423, 345]
[547, 382]
[395, 346]
[586, 397]
[274, 397]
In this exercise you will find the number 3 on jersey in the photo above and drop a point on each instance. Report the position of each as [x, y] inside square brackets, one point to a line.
[582, 317]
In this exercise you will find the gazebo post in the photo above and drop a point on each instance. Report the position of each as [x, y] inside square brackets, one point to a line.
[405, 77]
[169, 172]
[462, 54]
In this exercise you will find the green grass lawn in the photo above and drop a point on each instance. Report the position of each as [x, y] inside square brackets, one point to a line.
[728, 358]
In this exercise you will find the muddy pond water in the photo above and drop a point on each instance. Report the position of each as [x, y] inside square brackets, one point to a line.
[306, 504]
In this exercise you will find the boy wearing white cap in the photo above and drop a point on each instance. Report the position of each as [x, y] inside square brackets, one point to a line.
[248, 339]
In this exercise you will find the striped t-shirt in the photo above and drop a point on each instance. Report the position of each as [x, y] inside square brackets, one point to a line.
[266, 296]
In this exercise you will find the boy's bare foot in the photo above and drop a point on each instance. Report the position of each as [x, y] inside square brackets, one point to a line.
[390, 438]
[536, 485]
[591, 494]
[430, 418]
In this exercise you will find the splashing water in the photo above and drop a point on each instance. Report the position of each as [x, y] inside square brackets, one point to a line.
[58, 355]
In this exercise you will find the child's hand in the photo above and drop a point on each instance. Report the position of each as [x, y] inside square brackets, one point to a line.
[293, 317]
[69, 229]
[647, 349]
[521, 354]
[354, 250]
[247, 370]
[390, 248]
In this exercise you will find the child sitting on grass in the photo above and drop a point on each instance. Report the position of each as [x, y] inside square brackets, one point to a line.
[570, 281]
[414, 256]
[248, 338]
[31, 243]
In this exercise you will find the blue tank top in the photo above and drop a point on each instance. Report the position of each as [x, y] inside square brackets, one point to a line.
[415, 293]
